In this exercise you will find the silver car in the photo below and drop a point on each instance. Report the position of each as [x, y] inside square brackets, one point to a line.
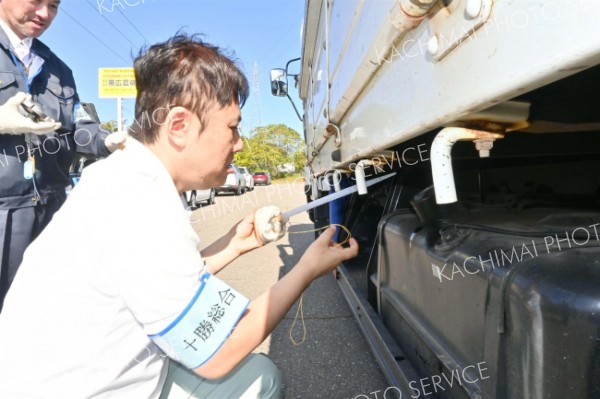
[235, 182]
[248, 177]
[194, 197]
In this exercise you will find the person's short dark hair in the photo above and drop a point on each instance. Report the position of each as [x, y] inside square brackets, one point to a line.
[186, 72]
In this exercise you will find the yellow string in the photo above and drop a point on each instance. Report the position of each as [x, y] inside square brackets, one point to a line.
[300, 309]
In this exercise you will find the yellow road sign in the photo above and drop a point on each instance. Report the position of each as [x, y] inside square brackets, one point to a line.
[116, 82]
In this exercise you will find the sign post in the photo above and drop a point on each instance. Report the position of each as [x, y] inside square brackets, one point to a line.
[117, 83]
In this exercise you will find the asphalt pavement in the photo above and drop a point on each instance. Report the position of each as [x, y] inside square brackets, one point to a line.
[330, 358]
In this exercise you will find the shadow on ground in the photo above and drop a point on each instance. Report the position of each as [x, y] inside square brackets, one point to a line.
[332, 359]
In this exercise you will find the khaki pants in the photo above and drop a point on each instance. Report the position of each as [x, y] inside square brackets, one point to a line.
[256, 377]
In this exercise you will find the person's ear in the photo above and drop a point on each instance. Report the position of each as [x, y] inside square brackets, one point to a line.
[178, 126]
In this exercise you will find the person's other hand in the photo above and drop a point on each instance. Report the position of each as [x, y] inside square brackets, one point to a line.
[13, 122]
[323, 255]
[116, 140]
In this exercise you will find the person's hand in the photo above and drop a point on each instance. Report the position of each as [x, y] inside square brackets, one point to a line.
[13, 122]
[243, 237]
[257, 229]
[323, 255]
[240, 239]
[116, 140]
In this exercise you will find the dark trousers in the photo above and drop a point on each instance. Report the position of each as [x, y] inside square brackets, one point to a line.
[18, 228]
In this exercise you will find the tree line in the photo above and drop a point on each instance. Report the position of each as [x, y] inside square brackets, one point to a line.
[268, 147]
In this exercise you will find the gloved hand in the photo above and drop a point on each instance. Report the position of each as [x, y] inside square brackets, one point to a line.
[13, 122]
[116, 140]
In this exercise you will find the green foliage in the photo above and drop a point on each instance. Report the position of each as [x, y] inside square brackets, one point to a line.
[110, 126]
[272, 145]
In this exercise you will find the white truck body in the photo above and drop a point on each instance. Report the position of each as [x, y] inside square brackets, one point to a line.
[481, 253]
[381, 85]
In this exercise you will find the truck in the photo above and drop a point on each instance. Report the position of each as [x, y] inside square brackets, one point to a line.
[478, 274]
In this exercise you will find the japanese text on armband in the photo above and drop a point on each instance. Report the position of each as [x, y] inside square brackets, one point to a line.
[205, 323]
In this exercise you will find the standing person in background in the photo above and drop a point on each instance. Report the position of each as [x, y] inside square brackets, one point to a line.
[35, 156]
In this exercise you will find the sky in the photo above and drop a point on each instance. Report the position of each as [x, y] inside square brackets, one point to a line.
[92, 34]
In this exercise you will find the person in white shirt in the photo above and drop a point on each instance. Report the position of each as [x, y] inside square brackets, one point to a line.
[128, 307]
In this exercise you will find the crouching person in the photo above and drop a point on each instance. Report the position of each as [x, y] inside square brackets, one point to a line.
[129, 308]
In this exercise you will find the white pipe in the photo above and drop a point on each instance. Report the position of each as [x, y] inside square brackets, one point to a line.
[359, 172]
[441, 159]
[333, 180]
[337, 179]
[323, 183]
[314, 191]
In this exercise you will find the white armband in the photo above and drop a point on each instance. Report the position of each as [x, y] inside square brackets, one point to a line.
[204, 325]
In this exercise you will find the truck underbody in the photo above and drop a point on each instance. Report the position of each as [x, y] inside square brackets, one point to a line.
[479, 265]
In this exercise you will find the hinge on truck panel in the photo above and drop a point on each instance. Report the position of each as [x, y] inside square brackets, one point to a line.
[451, 25]
[330, 130]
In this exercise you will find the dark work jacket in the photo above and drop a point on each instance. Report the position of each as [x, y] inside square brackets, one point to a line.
[54, 89]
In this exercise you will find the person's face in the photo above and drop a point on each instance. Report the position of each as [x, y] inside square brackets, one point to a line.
[28, 18]
[211, 151]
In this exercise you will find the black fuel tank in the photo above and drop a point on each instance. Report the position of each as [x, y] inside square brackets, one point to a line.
[503, 303]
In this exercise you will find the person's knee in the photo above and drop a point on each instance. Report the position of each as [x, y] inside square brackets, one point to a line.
[271, 377]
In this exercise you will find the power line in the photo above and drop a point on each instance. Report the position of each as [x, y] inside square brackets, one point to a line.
[113, 25]
[95, 37]
[131, 23]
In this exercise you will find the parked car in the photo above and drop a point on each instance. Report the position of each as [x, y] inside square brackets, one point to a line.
[248, 177]
[235, 182]
[194, 197]
[263, 178]
[79, 163]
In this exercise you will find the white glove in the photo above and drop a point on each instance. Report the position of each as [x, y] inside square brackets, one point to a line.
[116, 141]
[13, 122]
[269, 224]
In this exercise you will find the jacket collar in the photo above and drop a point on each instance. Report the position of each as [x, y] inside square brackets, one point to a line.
[40, 49]
[37, 46]
[4, 40]
[13, 38]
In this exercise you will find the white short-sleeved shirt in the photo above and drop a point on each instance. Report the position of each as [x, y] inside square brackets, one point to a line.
[118, 262]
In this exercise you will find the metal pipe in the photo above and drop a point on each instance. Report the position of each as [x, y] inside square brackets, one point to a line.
[416, 8]
[441, 159]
